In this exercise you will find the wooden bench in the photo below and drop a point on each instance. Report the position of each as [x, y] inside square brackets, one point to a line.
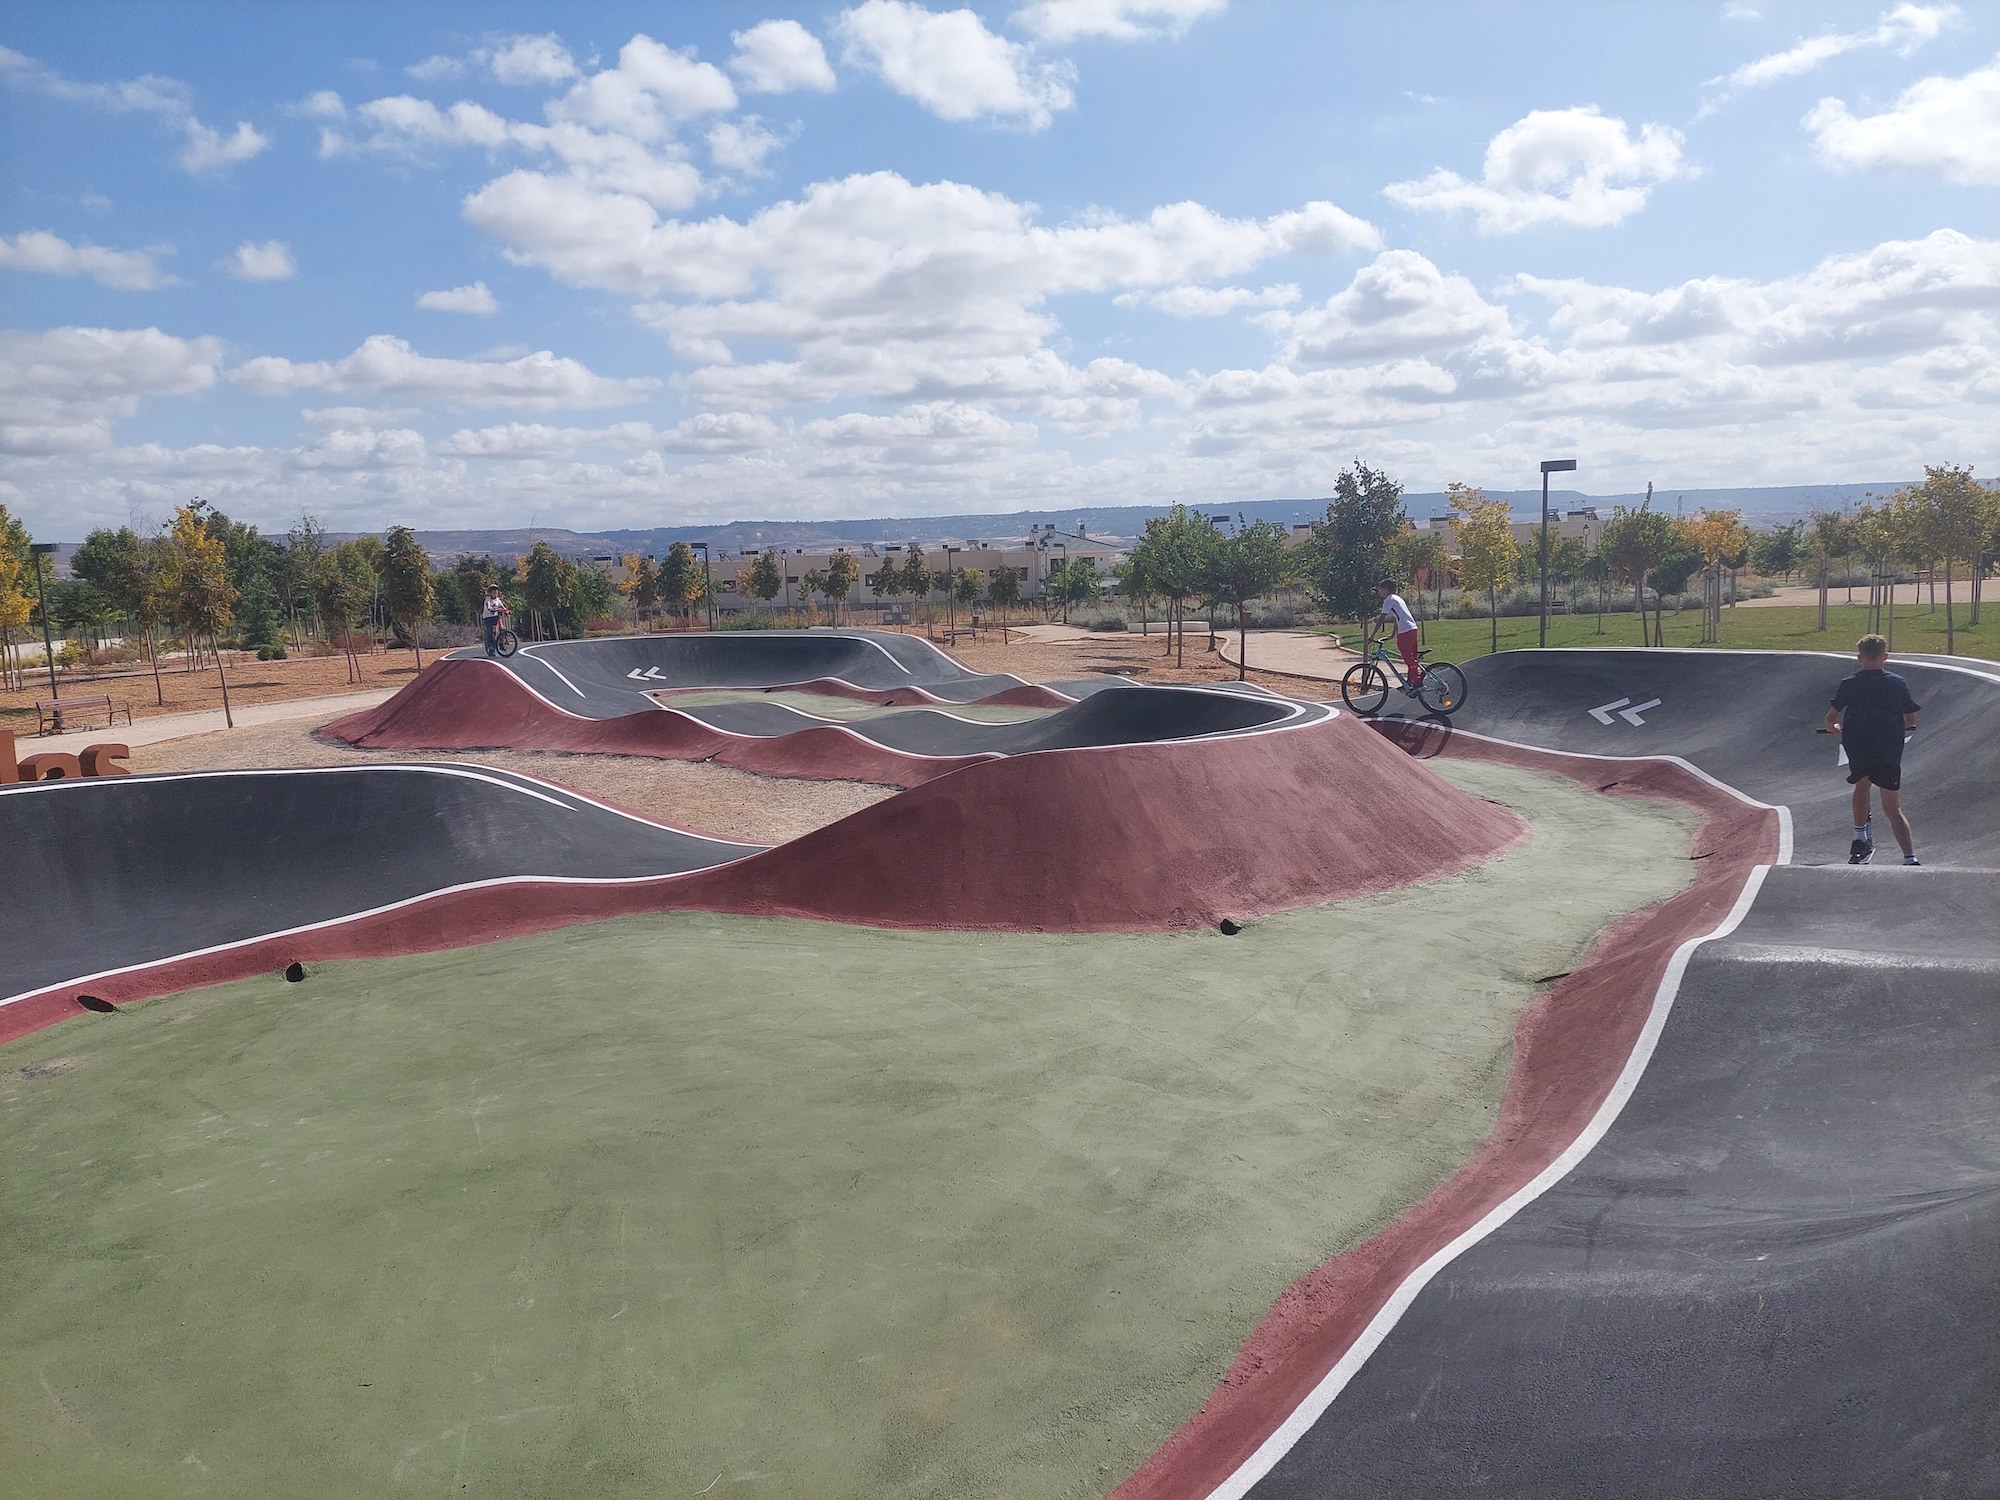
[61, 715]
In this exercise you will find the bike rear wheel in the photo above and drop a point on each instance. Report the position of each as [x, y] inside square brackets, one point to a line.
[1365, 688]
[505, 643]
[1442, 689]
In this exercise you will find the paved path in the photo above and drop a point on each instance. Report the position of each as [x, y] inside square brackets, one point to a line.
[1295, 653]
[150, 731]
[1907, 594]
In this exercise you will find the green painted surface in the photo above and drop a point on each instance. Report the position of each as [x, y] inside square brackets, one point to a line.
[826, 706]
[745, 1206]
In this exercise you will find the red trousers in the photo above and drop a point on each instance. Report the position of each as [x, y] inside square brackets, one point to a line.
[1406, 642]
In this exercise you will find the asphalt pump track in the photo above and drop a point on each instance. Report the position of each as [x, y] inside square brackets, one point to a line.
[1733, 1234]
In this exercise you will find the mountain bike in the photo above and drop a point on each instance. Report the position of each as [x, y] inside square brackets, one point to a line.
[505, 642]
[1365, 687]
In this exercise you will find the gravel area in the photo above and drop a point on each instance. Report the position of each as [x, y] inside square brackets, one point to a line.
[699, 797]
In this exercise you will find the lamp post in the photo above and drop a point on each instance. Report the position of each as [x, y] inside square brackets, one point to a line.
[1549, 466]
[1063, 548]
[42, 550]
[950, 597]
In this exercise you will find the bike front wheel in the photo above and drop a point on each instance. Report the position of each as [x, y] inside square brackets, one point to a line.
[1442, 689]
[505, 643]
[1365, 688]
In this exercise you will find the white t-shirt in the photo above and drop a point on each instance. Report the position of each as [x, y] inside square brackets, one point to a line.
[493, 608]
[1397, 610]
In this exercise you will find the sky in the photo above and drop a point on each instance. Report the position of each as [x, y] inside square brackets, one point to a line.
[603, 265]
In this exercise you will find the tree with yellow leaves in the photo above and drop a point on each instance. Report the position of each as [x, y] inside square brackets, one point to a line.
[1718, 535]
[195, 580]
[16, 605]
[1488, 553]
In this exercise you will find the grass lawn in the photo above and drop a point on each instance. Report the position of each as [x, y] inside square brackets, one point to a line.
[690, 1204]
[1782, 628]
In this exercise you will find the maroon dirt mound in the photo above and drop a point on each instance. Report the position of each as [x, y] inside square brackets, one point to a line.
[1569, 1047]
[471, 705]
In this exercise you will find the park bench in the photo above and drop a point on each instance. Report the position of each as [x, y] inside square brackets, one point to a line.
[60, 715]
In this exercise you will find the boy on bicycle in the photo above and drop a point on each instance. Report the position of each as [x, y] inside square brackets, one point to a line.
[1398, 613]
[1873, 710]
[492, 615]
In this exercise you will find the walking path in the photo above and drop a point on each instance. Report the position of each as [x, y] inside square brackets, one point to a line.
[1291, 653]
[1906, 594]
[151, 730]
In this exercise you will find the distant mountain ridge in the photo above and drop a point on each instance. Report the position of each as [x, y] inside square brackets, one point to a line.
[1765, 505]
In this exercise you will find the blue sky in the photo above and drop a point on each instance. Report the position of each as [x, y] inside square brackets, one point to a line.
[602, 265]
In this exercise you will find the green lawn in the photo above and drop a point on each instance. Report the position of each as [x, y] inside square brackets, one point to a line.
[690, 1204]
[1783, 628]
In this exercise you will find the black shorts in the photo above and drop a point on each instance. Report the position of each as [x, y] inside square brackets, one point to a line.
[1886, 774]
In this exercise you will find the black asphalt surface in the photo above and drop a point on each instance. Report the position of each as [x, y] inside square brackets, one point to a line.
[596, 678]
[1778, 1273]
[131, 869]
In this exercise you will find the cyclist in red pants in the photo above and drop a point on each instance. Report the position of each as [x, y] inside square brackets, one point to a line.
[1394, 609]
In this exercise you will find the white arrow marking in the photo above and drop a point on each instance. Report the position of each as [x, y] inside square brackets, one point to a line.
[1602, 713]
[636, 675]
[1631, 715]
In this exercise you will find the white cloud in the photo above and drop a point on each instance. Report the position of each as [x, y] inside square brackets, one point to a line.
[1208, 302]
[431, 69]
[706, 432]
[1949, 127]
[1905, 28]
[1399, 307]
[538, 381]
[1736, 10]
[364, 448]
[476, 299]
[652, 89]
[949, 63]
[270, 261]
[528, 59]
[1556, 166]
[776, 57]
[359, 416]
[206, 149]
[326, 104]
[1059, 21]
[61, 390]
[741, 145]
[38, 250]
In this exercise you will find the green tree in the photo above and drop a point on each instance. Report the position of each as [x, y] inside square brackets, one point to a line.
[196, 584]
[680, 580]
[1638, 542]
[842, 572]
[1954, 515]
[1174, 553]
[967, 584]
[1832, 535]
[1136, 584]
[886, 582]
[590, 594]
[917, 581]
[1775, 553]
[1249, 563]
[1717, 535]
[1005, 591]
[546, 582]
[1488, 552]
[406, 585]
[764, 579]
[1348, 549]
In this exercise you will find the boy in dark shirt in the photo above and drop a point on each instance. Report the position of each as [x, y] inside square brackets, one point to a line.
[1872, 710]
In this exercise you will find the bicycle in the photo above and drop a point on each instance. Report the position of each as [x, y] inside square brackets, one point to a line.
[505, 642]
[1365, 687]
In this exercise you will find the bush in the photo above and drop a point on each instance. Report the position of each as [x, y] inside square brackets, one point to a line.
[757, 619]
[1108, 623]
[270, 653]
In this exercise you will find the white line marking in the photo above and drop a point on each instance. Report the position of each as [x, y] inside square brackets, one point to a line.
[1631, 715]
[1602, 713]
[1309, 1411]
[529, 652]
[447, 769]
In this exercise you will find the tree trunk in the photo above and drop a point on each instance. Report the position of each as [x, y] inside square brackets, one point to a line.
[222, 677]
[1492, 621]
[1242, 641]
[1822, 595]
[153, 650]
[1950, 637]
[1978, 568]
[418, 647]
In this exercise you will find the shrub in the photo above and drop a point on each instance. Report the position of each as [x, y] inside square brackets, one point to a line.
[1107, 623]
[270, 653]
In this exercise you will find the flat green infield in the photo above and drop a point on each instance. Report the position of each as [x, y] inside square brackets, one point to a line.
[689, 1205]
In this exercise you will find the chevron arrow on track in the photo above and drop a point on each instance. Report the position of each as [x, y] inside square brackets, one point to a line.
[1602, 713]
[1631, 715]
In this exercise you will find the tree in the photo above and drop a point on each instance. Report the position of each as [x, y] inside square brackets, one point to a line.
[1635, 543]
[1135, 582]
[406, 585]
[546, 582]
[1247, 564]
[842, 572]
[1348, 549]
[299, 571]
[641, 584]
[917, 579]
[343, 586]
[967, 584]
[1173, 552]
[16, 603]
[1952, 513]
[681, 583]
[1832, 535]
[887, 580]
[198, 591]
[1775, 553]
[1080, 584]
[1488, 553]
[1421, 557]
[1717, 535]
[763, 579]
[1005, 591]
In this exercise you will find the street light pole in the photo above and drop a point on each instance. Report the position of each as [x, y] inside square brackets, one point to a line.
[1063, 548]
[950, 597]
[707, 583]
[1549, 466]
[41, 550]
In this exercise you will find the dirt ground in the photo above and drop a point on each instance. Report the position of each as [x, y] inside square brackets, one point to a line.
[698, 797]
[250, 681]
[1141, 655]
